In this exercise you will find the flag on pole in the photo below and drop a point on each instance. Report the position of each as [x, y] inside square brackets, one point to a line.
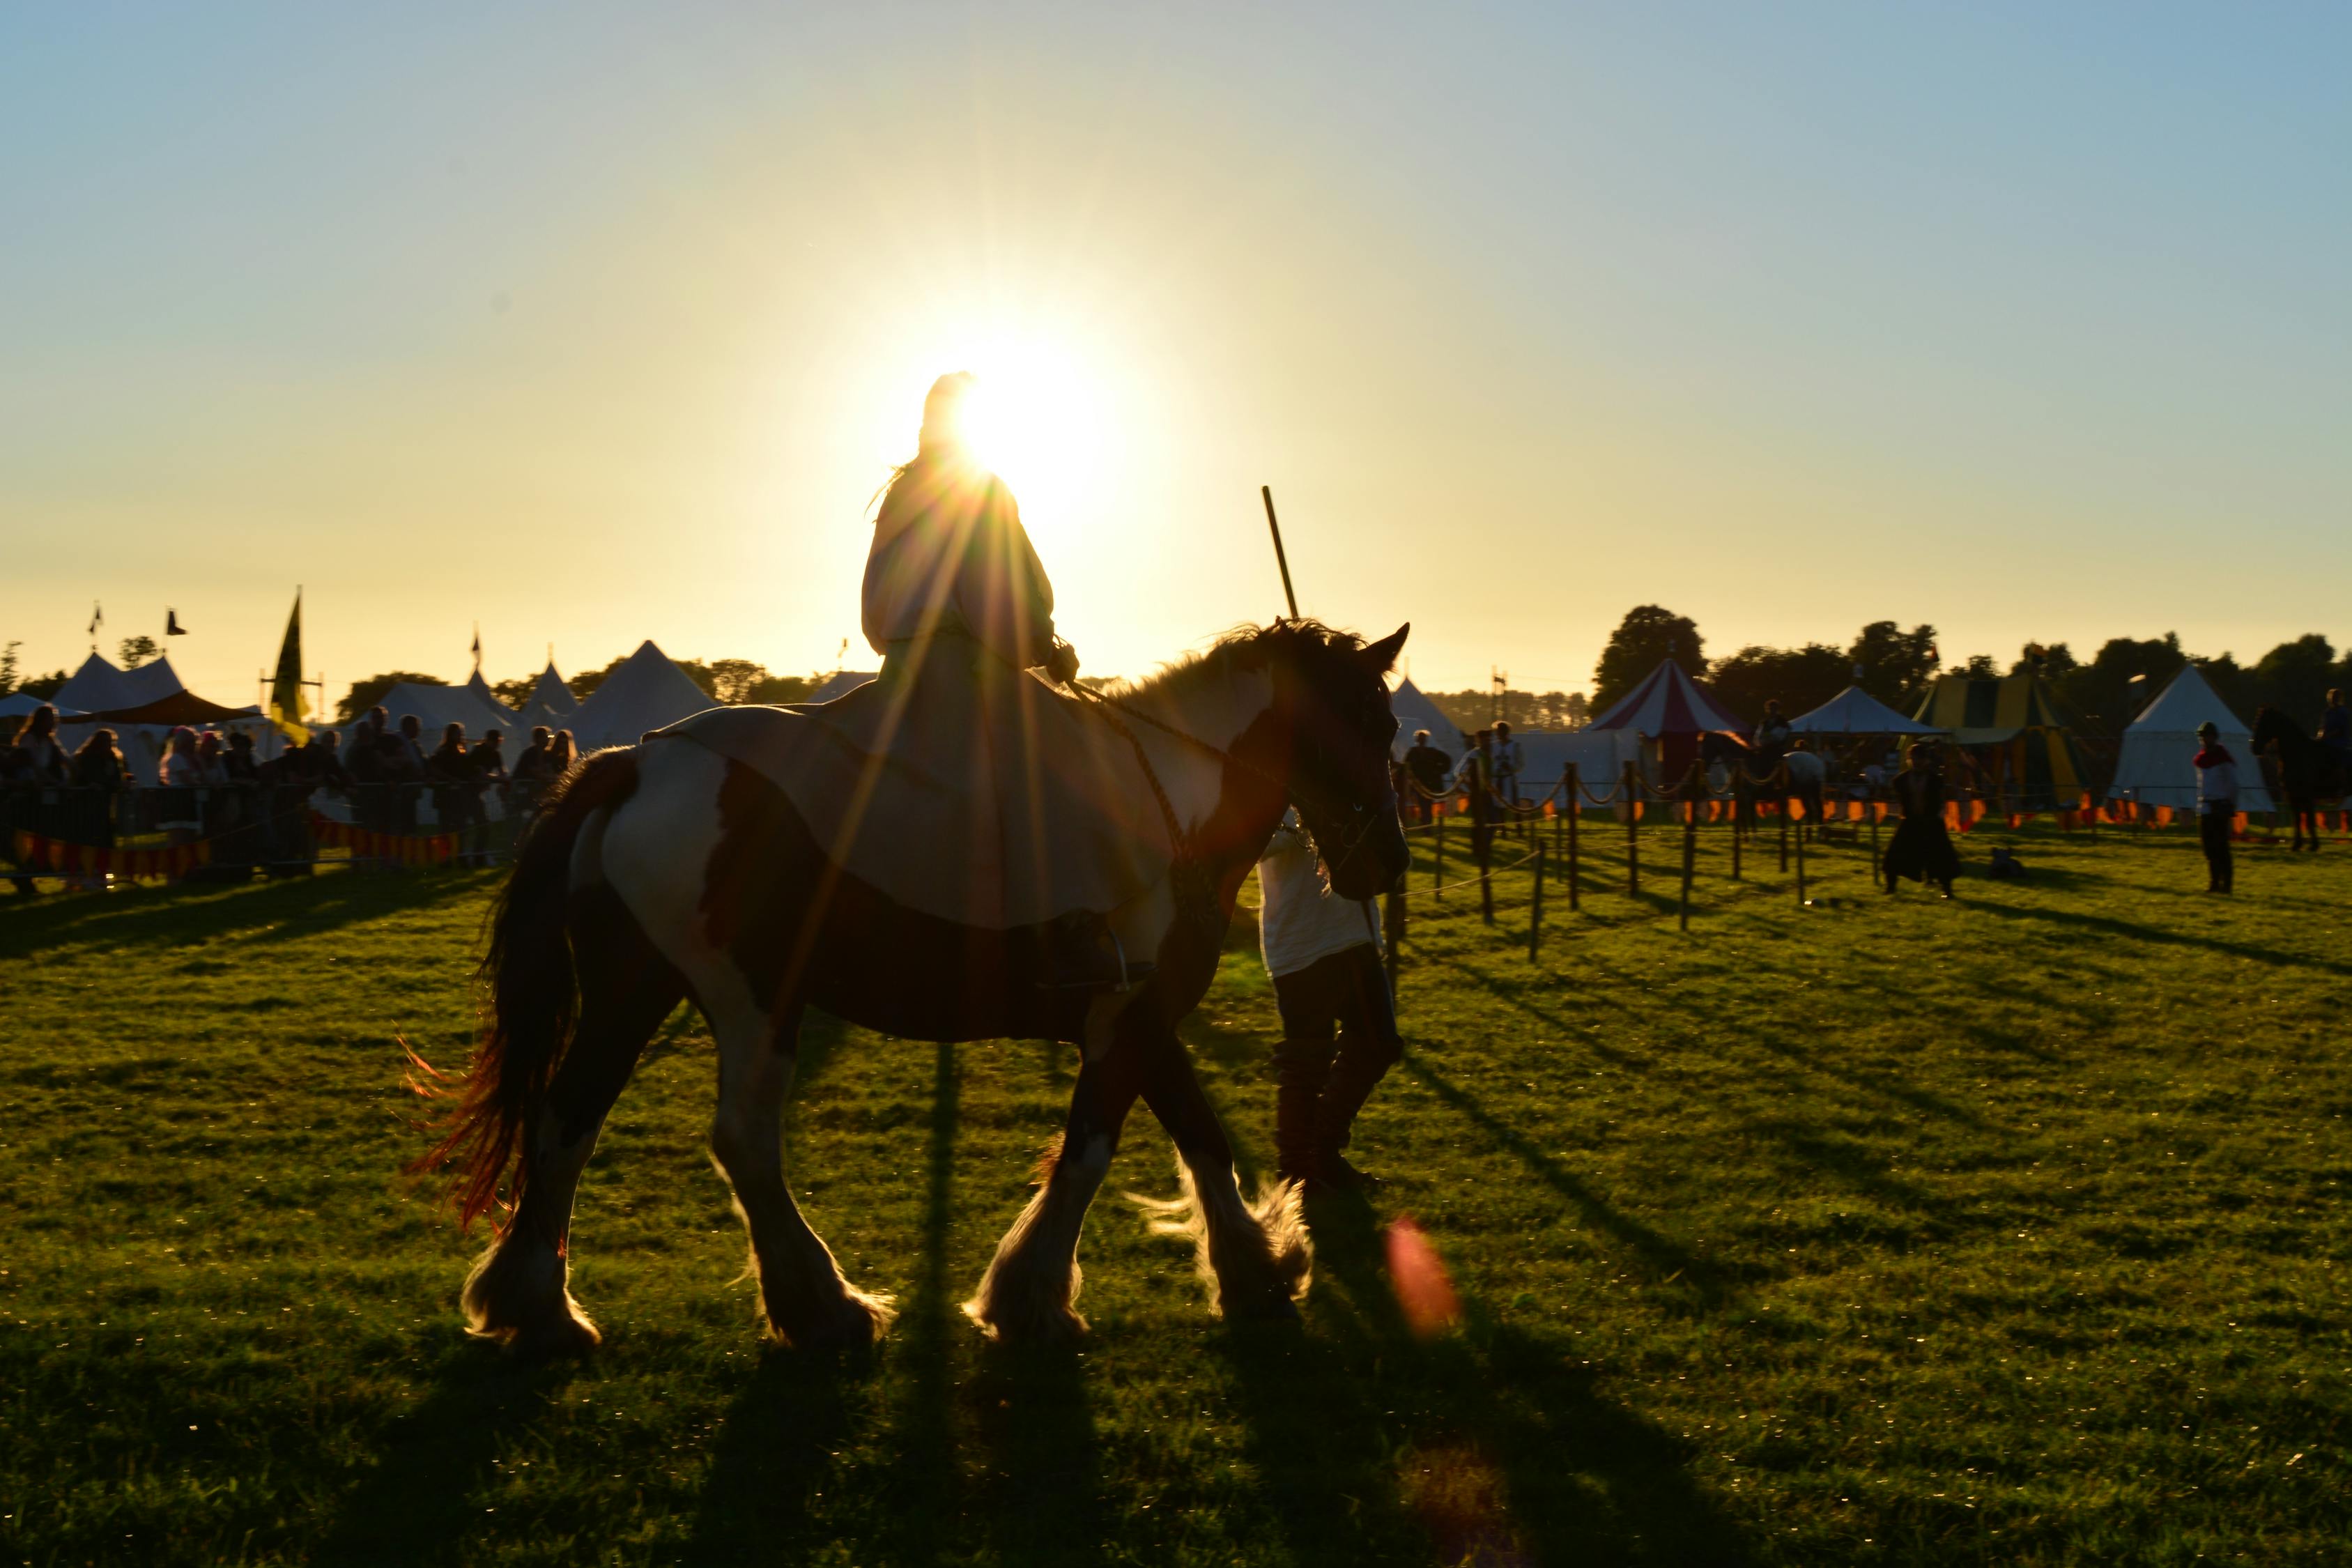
[287, 708]
[172, 627]
[477, 647]
[96, 617]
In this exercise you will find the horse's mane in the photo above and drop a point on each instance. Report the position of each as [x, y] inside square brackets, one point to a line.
[1244, 647]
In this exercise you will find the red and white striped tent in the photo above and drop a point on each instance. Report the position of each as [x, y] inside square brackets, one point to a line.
[1672, 710]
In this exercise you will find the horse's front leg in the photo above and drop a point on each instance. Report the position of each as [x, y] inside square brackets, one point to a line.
[1257, 1258]
[803, 1298]
[1030, 1291]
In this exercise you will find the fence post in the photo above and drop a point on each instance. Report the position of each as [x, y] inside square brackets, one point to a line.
[1802, 899]
[1780, 788]
[1575, 811]
[1437, 870]
[1535, 909]
[1629, 786]
[1567, 801]
[1694, 792]
[1878, 868]
[1738, 815]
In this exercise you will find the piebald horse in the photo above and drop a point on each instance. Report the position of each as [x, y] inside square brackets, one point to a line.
[662, 872]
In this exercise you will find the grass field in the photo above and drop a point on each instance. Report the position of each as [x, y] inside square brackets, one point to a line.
[2001, 1231]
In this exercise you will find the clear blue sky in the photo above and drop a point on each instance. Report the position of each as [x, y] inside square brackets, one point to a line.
[592, 323]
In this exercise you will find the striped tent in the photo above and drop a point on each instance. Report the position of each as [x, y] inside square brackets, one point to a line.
[1672, 710]
[2020, 733]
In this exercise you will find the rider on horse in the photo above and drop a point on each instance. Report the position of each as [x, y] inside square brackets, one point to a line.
[959, 606]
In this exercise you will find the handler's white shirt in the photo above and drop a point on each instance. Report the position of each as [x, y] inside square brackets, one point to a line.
[1302, 919]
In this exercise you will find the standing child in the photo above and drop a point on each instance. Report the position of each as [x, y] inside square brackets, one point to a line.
[2217, 807]
[1338, 1031]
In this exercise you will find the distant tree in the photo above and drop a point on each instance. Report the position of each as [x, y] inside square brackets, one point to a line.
[43, 685]
[2123, 677]
[365, 694]
[2229, 683]
[1648, 635]
[1577, 710]
[138, 650]
[8, 668]
[1896, 665]
[516, 692]
[734, 680]
[2052, 661]
[775, 689]
[1799, 679]
[2294, 677]
[1980, 666]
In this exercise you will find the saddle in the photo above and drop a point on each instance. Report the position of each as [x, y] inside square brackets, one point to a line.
[967, 790]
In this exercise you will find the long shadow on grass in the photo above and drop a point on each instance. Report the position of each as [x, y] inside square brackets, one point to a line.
[292, 908]
[2109, 925]
[1484, 1446]
[421, 1501]
[1665, 1260]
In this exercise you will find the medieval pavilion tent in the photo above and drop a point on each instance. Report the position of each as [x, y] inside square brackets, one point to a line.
[1414, 711]
[645, 691]
[2020, 734]
[1854, 711]
[841, 683]
[2155, 765]
[549, 704]
[1672, 709]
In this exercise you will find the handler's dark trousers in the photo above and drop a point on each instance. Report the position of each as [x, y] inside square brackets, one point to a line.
[1339, 1041]
[2213, 833]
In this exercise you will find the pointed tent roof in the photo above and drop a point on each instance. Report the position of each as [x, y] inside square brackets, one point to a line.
[436, 706]
[1854, 711]
[97, 684]
[2154, 763]
[645, 691]
[1985, 712]
[550, 692]
[24, 705]
[1414, 711]
[1668, 702]
[479, 690]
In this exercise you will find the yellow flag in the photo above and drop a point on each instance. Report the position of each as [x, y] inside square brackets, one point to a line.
[287, 708]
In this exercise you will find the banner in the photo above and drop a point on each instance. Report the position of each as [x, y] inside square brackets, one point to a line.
[62, 858]
[399, 849]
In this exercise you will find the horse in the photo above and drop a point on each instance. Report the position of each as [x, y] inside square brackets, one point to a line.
[662, 872]
[2308, 771]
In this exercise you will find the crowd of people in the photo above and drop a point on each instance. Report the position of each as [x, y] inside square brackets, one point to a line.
[254, 812]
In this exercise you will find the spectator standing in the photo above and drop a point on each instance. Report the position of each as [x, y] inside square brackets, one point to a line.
[183, 778]
[456, 781]
[1508, 759]
[1922, 849]
[2217, 807]
[1339, 1028]
[1428, 766]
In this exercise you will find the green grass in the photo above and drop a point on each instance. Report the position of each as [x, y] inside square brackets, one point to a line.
[2003, 1231]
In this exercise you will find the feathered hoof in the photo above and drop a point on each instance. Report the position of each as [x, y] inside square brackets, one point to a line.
[854, 1322]
[556, 1339]
[1046, 1324]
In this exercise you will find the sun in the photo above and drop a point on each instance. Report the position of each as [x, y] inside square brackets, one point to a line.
[1044, 420]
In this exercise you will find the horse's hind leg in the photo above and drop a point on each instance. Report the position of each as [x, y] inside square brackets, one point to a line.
[1032, 1283]
[802, 1296]
[1255, 1257]
[519, 1292]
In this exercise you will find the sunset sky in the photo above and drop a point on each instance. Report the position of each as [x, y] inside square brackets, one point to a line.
[594, 323]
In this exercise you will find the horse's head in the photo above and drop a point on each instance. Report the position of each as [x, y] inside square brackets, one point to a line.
[1335, 689]
[2273, 727]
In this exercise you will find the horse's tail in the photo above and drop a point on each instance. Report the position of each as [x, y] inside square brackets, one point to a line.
[533, 991]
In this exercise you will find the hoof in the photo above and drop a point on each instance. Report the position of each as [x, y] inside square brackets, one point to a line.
[1047, 1326]
[572, 1335]
[855, 1322]
[1272, 1307]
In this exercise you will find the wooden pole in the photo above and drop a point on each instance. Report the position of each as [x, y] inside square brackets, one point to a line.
[1780, 788]
[1483, 847]
[1575, 811]
[1631, 788]
[1567, 801]
[1437, 871]
[1738, 815]
[1694, 792]
[1535, 909]
[1801, 870]
[1280, 558]
[1877, 866]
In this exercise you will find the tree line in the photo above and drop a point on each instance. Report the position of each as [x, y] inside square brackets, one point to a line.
[1898, 666]
[729, 681]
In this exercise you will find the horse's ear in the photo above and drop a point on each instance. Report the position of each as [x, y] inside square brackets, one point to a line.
[1382, 655]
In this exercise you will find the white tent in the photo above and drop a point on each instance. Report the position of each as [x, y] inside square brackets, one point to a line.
[645, 691]
[24, 705]
[2154, 765]
[550, 694]
[1668, 702]
[1414, 711]
[436, 706]
[1854, 711]
[99, 687]
[1599, 756]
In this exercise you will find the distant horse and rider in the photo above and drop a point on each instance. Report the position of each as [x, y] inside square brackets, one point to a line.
[2312, 769]
[969, 847]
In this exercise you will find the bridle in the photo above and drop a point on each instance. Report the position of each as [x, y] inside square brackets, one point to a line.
[1310, 801]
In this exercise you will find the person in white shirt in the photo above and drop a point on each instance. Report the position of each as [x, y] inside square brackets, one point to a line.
[1510, 757]
[1338, 1029]
[2217, 806]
